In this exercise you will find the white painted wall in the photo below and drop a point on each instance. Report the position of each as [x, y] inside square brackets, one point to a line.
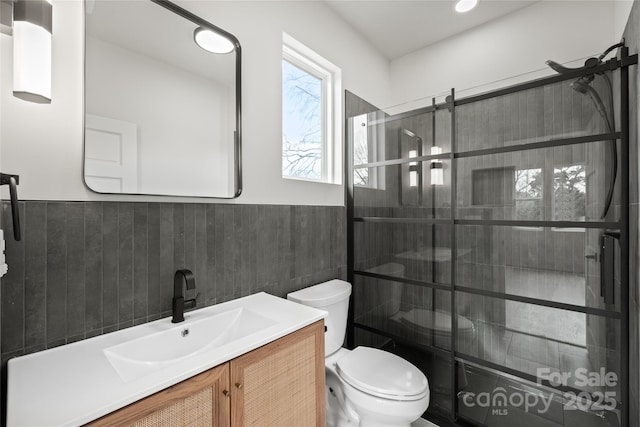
[511, 49]
[43, 143]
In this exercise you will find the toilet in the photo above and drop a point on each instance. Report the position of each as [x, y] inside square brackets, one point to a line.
[365, 387]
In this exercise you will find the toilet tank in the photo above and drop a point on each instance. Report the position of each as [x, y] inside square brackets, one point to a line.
[333, 297]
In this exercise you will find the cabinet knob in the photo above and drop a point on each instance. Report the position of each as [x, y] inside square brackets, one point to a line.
[226, 393]
[239, 386]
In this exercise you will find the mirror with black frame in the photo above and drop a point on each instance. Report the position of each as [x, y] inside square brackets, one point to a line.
[162, 101]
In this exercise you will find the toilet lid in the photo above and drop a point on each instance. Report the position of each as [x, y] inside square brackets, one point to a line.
[382, 374]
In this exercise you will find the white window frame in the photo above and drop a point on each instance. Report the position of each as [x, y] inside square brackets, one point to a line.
[309, 61]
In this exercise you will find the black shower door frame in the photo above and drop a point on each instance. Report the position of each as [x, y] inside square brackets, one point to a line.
[621, 63]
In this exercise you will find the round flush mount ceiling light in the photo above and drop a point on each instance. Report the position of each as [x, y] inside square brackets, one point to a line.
[463, 6]
[211, 41]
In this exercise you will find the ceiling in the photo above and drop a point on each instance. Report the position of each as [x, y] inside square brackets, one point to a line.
[398, 27]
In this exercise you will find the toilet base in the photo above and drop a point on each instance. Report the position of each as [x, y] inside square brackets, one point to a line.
[349, 407]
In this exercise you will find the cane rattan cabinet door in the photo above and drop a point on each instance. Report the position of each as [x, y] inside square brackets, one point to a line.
[282, 383]
[203, 400]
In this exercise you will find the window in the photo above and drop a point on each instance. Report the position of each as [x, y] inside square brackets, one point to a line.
[528, 195]
[311, 132]
[569, 193]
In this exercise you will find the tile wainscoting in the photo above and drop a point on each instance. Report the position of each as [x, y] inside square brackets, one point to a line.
[87, 268]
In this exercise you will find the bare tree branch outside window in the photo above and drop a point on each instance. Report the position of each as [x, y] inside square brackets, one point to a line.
[302, 123]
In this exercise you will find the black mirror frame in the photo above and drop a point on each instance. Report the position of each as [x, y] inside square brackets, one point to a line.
[238, 95]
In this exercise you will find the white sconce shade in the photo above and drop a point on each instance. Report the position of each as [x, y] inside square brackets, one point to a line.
[212, 42]
[32, 50]
[437, 172]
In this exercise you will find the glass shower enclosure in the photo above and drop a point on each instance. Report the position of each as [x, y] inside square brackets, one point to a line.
[481, 248]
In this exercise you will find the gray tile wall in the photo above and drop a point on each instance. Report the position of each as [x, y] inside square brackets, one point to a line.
[89, 268]
[632, 37]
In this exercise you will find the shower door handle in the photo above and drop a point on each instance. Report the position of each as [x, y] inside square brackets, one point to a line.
[607, 265]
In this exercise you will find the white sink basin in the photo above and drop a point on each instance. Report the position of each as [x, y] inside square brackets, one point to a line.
[141, 356]
[49, 388]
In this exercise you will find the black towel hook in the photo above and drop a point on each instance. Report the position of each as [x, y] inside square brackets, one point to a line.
[12, 181]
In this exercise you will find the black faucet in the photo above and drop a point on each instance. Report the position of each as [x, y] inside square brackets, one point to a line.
[184, 293]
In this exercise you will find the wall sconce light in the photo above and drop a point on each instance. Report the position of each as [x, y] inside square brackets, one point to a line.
[437, 173]
[32, 24]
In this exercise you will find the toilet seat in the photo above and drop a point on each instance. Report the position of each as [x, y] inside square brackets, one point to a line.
[382, 374]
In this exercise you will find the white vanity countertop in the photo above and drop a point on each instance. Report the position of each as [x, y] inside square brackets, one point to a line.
[75, 384]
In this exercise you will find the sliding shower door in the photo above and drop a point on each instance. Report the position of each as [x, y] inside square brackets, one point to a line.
[488, 247]
[536, 258]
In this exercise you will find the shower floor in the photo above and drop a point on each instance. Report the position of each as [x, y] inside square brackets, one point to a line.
[535, 337]
[566, 326]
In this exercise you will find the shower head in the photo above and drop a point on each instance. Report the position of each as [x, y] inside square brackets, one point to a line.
[580, 86]
[583, 85]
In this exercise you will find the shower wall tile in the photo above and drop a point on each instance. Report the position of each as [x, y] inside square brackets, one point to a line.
[87, 268]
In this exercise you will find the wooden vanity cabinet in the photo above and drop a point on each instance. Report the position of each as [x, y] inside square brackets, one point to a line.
[280, 384]
[202, 400]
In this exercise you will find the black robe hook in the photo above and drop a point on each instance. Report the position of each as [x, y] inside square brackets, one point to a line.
[12, 181]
